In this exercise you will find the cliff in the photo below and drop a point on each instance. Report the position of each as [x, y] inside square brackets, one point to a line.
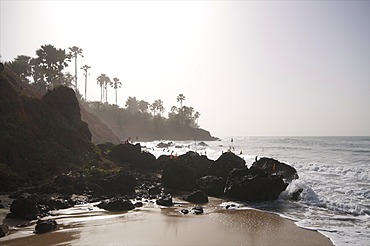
[40, 135]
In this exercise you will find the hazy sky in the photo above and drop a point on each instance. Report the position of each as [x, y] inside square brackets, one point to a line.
[249, 67]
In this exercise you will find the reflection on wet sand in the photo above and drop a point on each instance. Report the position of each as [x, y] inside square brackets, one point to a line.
[151, 224]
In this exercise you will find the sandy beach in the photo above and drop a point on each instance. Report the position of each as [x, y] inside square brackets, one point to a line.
[156, 225]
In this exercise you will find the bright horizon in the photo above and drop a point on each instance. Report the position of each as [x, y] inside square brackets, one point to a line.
[250, 68]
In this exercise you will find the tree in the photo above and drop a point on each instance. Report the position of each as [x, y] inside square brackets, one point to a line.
[74, 52]
[180, 98]
[85, 68]
[132, 104]
[196, 116]
[116, 84]
[106, 82]
[50, 63]
[102, 80]
[143, 106]
[22, 67]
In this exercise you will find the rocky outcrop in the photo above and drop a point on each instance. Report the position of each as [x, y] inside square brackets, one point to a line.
[212, 185]
[272, 166]
[24, 208]
[245, 185]
[177, 175]
[225, 163]
[41, 136]
[165, 200]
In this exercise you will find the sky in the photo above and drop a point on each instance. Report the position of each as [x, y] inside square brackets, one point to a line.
[251, 68]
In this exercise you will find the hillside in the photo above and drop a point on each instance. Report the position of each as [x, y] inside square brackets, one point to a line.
[40, 136]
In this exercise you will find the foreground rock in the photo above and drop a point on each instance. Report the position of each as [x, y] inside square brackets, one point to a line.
[24, 208]
[165, 200]
[116, 205]
[245, 185]
[212, 185]
[43, 226]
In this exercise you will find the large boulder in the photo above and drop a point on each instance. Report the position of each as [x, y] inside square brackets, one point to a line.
[199, 163]
[212, 185]
[197, 197]
[24, 208]
[225, 163]
[272, 166]
[116, 205]
[177, 175]
[244, 185]
[125, 152]
[4, 229]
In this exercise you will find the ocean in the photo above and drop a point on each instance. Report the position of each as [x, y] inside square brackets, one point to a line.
[333, 172]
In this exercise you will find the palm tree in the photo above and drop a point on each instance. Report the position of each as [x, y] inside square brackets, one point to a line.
[143, 106]
[116, 84]
[102, 81]
[74, 52]
[106, 82]
[180, 98]
[85, 68]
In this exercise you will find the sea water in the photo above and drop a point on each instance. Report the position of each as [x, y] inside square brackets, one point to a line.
[333, 172]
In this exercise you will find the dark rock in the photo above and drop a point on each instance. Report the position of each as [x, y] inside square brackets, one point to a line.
[184, 211]
[120, 183]
[200, 164]
[202, 144]
[197, 197]
[244, 186]
[43, 226]
[177, 175]
[212, 185]
[272, 166]
[296, 195]
[4, 229]
[138, 204]
[125, 153]
[116, 205]
[225, 163]
[24, 208]
[145, 161]
[197, 210]
[1, 205]
[58, 203]
[164, 145]
[165, 200]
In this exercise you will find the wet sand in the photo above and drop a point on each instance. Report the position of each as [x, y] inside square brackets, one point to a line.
[155, 225]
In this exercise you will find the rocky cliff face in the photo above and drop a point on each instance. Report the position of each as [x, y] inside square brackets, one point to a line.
[40, 136]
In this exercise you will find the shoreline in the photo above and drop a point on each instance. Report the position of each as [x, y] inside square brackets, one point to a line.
[153, 224]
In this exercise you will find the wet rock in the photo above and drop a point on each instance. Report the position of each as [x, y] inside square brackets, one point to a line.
[138, 204]
[116, 205]
[244, 186]
[165, 200]
[43, 226]
[295, 196]
[197, 210]
[164, 145]
[272, 166]
[197, 197]
[184, 211]
[4, 229]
